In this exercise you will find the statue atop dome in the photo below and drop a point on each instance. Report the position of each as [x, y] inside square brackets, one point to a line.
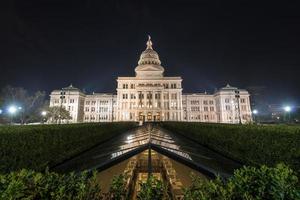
[149, 42]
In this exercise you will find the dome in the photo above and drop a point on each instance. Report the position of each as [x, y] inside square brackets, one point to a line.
[71, 88]
[149, 63]
[149, 56]
[228, 87]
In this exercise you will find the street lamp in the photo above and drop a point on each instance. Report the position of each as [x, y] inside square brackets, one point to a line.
[44, 113]
[288, 110]
[12, 110]
[255, 112]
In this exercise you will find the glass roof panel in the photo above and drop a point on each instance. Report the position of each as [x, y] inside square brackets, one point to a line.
[140, 137]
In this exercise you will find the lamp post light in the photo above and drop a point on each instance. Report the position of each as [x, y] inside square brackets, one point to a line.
[12, 110]
[44, 113]
[255, 112]
[288, 110]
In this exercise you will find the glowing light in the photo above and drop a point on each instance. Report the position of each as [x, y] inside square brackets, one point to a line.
[1, 111]
[255, 112]
[43, 113]
[12, 109]
[287, 109]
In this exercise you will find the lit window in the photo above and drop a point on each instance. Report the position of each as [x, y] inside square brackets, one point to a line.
[227, 107]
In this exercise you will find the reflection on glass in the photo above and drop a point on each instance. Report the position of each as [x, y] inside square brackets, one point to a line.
[150, 134]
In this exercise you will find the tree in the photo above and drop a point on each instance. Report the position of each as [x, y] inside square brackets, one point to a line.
[31, 104]
[296, 115]
[56, 114]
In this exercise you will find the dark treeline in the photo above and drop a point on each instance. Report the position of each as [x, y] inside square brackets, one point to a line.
[20, 106]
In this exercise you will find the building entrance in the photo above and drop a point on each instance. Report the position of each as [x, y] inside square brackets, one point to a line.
[157, 117]
[141, 117]
[149, 116]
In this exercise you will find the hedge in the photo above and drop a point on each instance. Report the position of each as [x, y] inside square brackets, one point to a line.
[36, 147]
[31, 185]
[247, 183]
[250, 144]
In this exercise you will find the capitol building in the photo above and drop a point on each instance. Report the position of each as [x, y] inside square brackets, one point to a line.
[150, 96]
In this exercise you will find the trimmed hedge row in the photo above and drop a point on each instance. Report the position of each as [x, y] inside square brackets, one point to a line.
[251, 144]
[36, 147]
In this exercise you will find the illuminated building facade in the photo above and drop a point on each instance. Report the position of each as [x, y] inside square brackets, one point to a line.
[151, 96]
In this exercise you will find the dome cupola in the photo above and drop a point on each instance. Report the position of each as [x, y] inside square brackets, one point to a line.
[149, 56]
[149, 63]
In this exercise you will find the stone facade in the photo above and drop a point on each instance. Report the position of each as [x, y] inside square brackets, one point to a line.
[150, 96]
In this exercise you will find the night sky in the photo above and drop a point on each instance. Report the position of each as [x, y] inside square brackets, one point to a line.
[48, 44]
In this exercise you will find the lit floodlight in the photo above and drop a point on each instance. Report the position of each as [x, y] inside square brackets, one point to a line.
[255, 112]
[287, 108]
[12, 109]
[44, 113]
[1, 111]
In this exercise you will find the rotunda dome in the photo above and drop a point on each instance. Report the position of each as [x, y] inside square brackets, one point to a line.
[149, 63]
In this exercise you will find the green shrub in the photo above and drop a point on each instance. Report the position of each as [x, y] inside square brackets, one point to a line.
[152, 189]
[117, 188]
[248, 183]
[36, 147]
[30, 185]
[251, 144]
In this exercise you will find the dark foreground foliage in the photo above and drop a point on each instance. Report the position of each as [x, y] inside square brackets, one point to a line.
[30, 185]
[36, 147]
[248, 183]
[251, 144]
[153, 189]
